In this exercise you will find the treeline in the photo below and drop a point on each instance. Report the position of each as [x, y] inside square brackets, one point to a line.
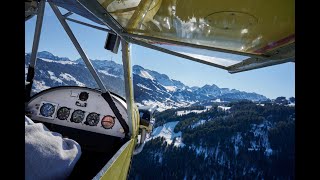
[221, 157]
[170, 115]
[193, 118]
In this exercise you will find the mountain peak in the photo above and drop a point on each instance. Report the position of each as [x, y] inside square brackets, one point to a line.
[136, 69]
[49, 55]
[45, 53]
[163, 79]
[207, 86]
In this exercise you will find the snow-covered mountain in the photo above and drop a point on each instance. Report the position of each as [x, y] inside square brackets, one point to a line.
[238, 140]
[222, 140]
[150, 87]
[167, 131]
[163, 79]
[48, 55]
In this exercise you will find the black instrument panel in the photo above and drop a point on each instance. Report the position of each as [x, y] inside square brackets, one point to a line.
[77, 107]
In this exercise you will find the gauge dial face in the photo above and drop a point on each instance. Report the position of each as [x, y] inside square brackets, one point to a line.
[63, 113]
[83, 96]
[77, 116]
[107, 122]
[47, 109]
[93, 119]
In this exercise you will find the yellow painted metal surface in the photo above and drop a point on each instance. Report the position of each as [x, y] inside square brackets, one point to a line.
[252, 26]
[136, 122]
[119, 168]
[132, 108]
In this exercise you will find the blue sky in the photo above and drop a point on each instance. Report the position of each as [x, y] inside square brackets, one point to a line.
[271, 81]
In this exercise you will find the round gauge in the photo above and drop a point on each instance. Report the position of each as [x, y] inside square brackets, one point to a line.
[83, 96]
[93, 119]
[63, 113]
[107, 122]
[47, 109]
[77, 116]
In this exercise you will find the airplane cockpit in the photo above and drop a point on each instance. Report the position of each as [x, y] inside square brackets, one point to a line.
[82, 114]
[79, 108]
[111, 128]
[106, 125]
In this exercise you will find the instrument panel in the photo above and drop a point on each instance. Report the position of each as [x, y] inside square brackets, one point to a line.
[78, 107]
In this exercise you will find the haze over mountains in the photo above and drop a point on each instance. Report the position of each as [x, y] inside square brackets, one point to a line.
[149, 86]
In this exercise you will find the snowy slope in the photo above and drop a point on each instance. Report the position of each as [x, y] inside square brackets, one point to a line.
[167, 132]
[150, 87]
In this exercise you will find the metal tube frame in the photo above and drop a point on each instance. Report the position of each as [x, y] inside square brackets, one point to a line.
[239, 67]
[95, 8]
[262, 63]
[67, 14]
[141, 43]
[287, 55]
[35, 45]
[99, 12]
[263, 60]
[37, 33]
[78, 47]
[90, 25]
[189, 45]
[128, 79]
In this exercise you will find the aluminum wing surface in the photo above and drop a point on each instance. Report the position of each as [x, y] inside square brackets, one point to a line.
[256, 33]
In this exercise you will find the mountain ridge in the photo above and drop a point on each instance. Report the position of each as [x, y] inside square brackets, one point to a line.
[149, 86]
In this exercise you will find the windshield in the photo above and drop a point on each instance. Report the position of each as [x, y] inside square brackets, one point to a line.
[209, 124]
[58, 62]
[214, 125]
